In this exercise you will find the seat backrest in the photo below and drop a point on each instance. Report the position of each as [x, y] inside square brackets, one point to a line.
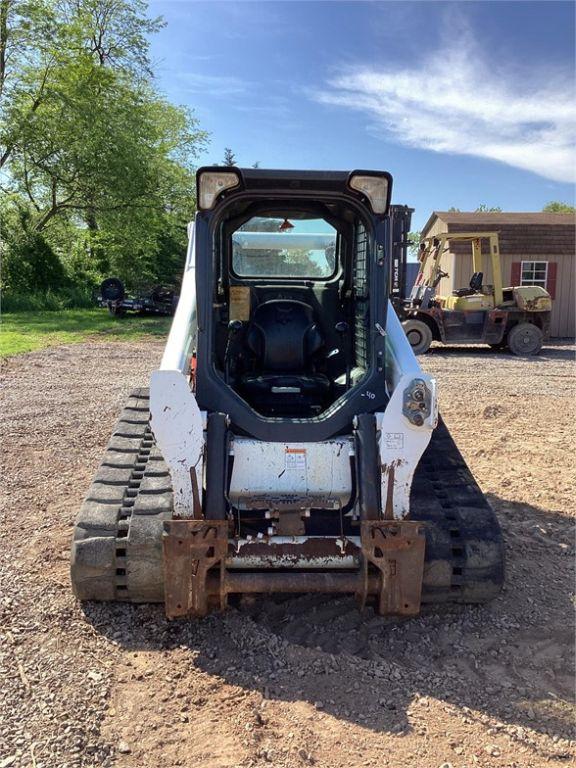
[476, 281]
[284, 336]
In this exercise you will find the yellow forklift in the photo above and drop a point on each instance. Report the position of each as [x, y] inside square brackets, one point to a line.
[517, 318]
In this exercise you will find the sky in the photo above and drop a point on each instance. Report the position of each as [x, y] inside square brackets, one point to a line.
[465, 103]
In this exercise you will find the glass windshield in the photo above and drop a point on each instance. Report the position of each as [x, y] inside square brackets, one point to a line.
[280, 247]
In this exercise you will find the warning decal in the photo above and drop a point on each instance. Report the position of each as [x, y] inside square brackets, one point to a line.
[394, 441]
[295, 458]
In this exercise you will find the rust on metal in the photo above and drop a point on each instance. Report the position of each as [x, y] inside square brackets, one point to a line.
[396, 549]
[292, 552]
[290, 523]
[390, 559]
[191, 549]
[390, 471]
[293, 582]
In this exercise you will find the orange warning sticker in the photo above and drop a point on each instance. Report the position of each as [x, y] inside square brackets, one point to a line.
[295, 458]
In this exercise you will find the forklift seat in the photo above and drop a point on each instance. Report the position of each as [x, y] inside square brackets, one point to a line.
[285, 340]
[475, 285]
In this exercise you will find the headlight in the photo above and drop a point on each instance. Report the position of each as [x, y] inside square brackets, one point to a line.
[213, 183]
[374, 187]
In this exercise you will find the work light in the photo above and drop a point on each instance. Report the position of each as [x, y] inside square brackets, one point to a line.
[374, 187]
[213, 183]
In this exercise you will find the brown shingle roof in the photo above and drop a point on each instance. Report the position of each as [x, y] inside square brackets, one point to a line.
[489, 219]
[521, 234]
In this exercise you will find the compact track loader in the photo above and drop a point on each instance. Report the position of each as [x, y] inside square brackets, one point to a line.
[289, 441]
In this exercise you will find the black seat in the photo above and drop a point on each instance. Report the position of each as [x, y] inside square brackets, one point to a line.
[475, 285]
[285, 341]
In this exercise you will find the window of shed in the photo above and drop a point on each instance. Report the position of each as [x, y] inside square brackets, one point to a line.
[534, 273]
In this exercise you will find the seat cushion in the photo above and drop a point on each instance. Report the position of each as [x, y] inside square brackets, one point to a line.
[283, 336]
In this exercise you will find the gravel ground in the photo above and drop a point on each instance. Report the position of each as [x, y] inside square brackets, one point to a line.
[293, 681]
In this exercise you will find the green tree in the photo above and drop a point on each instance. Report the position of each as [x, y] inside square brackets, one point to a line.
[556, 206]
[483, 208]
[414, 239]
[29, 263]
[229, 157]
[88, 141]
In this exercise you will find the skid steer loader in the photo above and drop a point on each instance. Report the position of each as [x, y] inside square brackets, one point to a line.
[289, 441]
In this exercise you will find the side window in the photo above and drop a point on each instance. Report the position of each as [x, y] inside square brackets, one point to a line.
[542, 273]
[534, 273]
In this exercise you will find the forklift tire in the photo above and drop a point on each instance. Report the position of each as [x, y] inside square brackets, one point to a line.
[525, 339]
[419, 335]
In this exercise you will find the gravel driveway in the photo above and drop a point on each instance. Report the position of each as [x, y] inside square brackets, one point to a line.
[293, 681]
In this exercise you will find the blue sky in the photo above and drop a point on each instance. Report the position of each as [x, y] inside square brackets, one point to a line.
[464, 102]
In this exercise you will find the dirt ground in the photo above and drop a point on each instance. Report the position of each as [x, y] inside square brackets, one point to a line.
[299, 681]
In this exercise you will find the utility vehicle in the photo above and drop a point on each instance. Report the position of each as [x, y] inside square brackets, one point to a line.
[151, 300]
[290, 441]
[517, 318]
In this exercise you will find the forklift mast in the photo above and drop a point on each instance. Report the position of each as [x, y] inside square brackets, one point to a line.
[400, 221]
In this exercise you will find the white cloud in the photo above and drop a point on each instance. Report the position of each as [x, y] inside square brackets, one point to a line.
[454, 103]
[216, 85]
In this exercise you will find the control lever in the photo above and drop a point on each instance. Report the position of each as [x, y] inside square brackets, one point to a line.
[234, 328]
[342, 329]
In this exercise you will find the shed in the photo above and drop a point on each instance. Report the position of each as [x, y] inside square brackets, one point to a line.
[535, 249]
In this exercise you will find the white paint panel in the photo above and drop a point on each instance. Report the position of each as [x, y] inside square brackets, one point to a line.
[177, 422]
[302, 474]
[182, 337]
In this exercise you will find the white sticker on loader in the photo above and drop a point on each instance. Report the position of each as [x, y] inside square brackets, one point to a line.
[295, 458]
[394, 441]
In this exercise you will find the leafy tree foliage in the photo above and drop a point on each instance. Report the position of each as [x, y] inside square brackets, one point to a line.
[102, 164]
[483, 208]
[229, 157]
[556, 206]
[414, 239]
[30, 263]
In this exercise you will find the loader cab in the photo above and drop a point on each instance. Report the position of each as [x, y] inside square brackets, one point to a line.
[291, 290]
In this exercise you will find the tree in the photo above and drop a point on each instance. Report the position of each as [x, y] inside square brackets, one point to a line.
[40, 37]
[557, 207]
[483, 208]
[414, 238]
[229, 157]
[29, 262]
[86, 139]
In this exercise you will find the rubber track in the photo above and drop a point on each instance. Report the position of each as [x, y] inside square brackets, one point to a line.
[464, 546]
[117, 549]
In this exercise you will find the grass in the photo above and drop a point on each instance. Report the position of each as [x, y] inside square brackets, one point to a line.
[26, 331]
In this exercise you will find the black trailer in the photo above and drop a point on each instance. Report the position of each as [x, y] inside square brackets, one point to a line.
[155, 300]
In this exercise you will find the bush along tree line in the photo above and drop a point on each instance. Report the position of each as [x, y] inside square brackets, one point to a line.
[96, 167]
